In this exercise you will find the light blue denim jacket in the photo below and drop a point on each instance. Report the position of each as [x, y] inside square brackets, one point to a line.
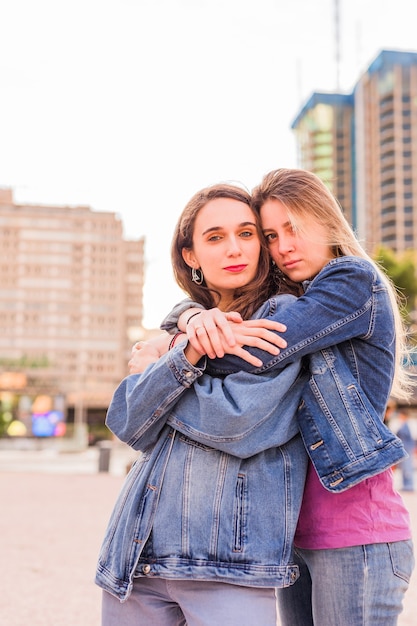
[240, 415]
[188, 510]
[343, 403]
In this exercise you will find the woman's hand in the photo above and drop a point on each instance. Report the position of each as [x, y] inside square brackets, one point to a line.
[143, 354]
[216, 333]
[146, 352]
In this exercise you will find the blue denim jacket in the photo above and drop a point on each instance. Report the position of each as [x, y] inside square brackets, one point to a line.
[344, 324]
[188, 510]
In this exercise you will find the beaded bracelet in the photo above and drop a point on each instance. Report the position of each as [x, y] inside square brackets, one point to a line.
[193, 315]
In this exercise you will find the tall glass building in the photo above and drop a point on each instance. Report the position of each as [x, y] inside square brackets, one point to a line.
[364, 146]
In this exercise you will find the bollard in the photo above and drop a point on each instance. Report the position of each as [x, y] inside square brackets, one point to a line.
[104, 453]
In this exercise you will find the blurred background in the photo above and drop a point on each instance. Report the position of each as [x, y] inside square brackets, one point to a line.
[114, 112]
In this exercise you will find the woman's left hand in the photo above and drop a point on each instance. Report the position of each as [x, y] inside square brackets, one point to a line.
[143, 354]
[216, 333]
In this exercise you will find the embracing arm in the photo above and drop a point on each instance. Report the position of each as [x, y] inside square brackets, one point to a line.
[141, 403]
[337, 306]
[241, 414]
[170, 323]
[219, 339]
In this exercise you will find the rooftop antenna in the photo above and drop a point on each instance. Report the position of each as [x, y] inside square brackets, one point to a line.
[299, 80]
[359, 45]
[337, 42]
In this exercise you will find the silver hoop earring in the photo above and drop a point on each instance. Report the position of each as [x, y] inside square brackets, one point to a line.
[197, 276]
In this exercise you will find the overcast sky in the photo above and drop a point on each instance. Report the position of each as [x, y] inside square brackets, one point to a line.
[133, 105]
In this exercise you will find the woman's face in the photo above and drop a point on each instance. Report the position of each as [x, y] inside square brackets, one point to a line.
[300, 254]
[226, 246]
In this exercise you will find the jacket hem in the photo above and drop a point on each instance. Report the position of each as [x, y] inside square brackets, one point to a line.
[182, 569]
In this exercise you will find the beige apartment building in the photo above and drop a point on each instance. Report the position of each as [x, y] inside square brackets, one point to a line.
[70, 309]
[364, 146]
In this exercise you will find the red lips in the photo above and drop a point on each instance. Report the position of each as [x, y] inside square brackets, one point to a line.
[235, 268]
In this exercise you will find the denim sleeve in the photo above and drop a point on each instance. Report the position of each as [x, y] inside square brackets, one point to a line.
[225, 414]
[336, 307]
[170, 322]
[141, 403]
[242, 414]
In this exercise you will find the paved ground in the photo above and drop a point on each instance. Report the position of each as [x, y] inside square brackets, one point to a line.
[55, 507]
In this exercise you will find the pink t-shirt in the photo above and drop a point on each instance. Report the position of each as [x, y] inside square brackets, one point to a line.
[370, 512]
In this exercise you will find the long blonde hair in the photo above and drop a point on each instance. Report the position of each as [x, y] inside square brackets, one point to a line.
[302, 192]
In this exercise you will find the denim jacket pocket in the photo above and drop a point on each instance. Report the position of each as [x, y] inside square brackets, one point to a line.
[239, 516]
[343, 434]
[367, 427]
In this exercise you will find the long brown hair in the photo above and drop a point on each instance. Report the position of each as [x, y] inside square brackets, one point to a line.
[247, 298]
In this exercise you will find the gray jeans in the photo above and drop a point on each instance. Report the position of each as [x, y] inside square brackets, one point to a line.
[162, 602]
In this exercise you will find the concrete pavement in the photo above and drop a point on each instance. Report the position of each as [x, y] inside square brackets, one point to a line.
[54, 510]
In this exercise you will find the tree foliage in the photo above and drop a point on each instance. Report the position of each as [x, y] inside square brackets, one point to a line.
[401, 268]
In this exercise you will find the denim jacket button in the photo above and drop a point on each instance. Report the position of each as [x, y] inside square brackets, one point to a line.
[293, 576]
[146, 569]
[188, 374]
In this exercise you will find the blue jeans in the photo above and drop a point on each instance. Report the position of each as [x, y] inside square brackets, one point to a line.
[407, 470]
[355, 586]
[162, 602]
